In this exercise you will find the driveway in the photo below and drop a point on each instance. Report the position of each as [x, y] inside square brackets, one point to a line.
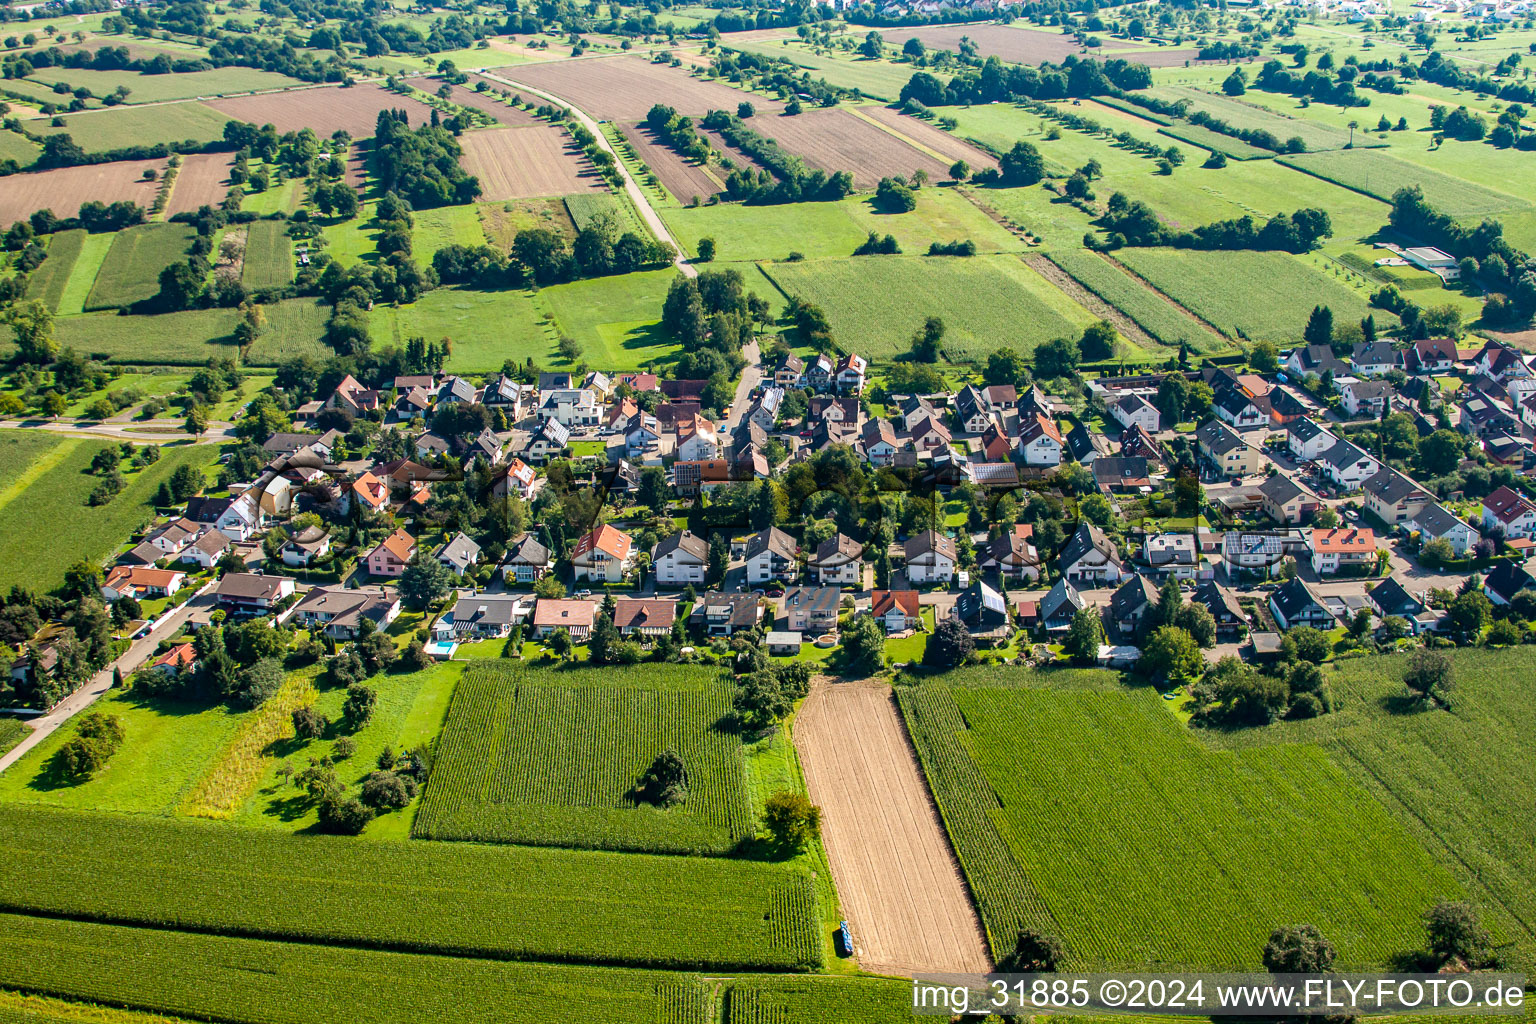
[141, 651]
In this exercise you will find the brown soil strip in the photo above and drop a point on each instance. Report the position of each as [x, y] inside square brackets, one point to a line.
[1127, 327]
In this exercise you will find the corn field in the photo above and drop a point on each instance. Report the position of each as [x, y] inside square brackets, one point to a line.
[499, 902]
[1098, 817]
[542, 757]
[210, 977]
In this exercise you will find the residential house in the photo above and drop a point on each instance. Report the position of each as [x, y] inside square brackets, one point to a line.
[516, 477]
[1500, 361]
[238, 518]
[392, 555]
[878, 440]
[1086, 446]
[837, 560]
[573, 407]
[206, 551]
[1129, 606]
[482, 616]
[984, 614]
[372, 492]
[1436, 522]
[1003, 398]
[1512, 513]
[929, 434]
[1251, 554]
[549, 440]
[457, 391]
[251, 593]
[851, 372]
[179, 659]
[1307, 442]
[788, 371]
[1172, 554]
[995, 446]
[458, 553]
[1362, 398]
[645, 617]
[1286, 501]
[289, 444]
[771, 555]
[1431, 356]
[1226, 450]
[1040, 441]
[818, 373]
[1119, 475]
[1505, 580]
[697, 440]
[603, 555]
[338, 611]
[930, 558]
[1224, 607]
[1347, 466]
[1374, 358]
[1341, 547]
[1485, 417]
[305, 548]
[1394, 498]
[833, 409]
[574, 615]
[1389, 597]
[1239, 409]
[691, 478]
[896, 610]
[1129, 410]
[1136, 443]
[811, 610]
[1318, 359]
[764, 410]
[1090, 557]
[526, 561]
[140, 581]
[1295, 603]
[972, 412]
[680, 559]
[351, 397]
[1285, 407]
[642, 434]
[1012, 555]
[721, 614]
[1060, 606]
[912, 410]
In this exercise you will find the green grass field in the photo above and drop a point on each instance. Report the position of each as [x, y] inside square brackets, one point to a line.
[1239, 114]
[486, 328]
[875, 303]
[1159, 318]
[551, 758]
[82, 273]
[99, 131]
[131, 272]
[47, 499]
[268, 255]
[226, 81]
[445, 226]
[230, 979]
[1378, 173]
[503, 902]
[166, 746]
[1259, 295]
[294, 327]
[46, 283]
[880, 79]
[12, 732]
[614, 319]
[17, 147]
[1455, 781]
[1089, 811]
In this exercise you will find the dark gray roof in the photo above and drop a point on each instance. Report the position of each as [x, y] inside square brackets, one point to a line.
[981, 608]
[1133, 596]
[774, 540]
[685, 540]
[1280, 489]
[1062, 601]
[526, 550]
[1294, 597]
[1393, 599]
[1084, 539]
[1391, 486]
[1220, 601]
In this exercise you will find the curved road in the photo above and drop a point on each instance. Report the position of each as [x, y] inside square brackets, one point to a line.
[647, 211]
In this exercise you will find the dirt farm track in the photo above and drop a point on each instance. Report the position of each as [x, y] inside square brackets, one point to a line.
[900, 886]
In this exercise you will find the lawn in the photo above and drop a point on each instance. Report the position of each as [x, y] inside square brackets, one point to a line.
[1167, 855]
[268, 259]
[225, 81]
[1258, 295]
[1378, 173]
[166, 747]
[294, 327]
[46, 283]
[17, 147]
[875, 303]
[131, 272]
[409, 712]
[444, 226]
[48, 500]
[486, 328]
[278, 197]
[543, 757]
[100, 131]
[150, 385]
[615, 319]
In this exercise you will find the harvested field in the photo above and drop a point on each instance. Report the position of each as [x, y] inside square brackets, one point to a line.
[1021, 45]
[897, 877]
[518, 163]
[683, 178]
[354, 110]
[1164, 57]
[490, 103]
[625, 88]
[64, 189]
[201, 181]
[925, 134]
[837, 140]
[738, 157]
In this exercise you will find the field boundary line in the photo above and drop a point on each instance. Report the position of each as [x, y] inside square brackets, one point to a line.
[856, 112]
[1163, 295]
[1089, 288]
[1107, 310]
[40, 465]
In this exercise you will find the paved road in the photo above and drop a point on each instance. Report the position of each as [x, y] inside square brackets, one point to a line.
[647, 211]
[137, 654]
[750, 378]
[218, 433]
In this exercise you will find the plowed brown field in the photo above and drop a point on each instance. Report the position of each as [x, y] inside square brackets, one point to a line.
[897, 878]
[354, 110]
[837, 140]
[64, 189]
[683, 178]
[625, 88]
[925, 134]
[201, 181]
[512, 117]
[518, 163]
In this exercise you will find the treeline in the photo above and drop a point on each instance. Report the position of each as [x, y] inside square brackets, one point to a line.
[1228, 51]
[421, 166]
[108, 58]
[94, 216]
[190, 17]
[1258, 137]
[1338, 90]
[786, 180]
[540, 256]
[996, 82]
[1507, 273]
[713, 317]
[1134, 223]
[677, 131]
